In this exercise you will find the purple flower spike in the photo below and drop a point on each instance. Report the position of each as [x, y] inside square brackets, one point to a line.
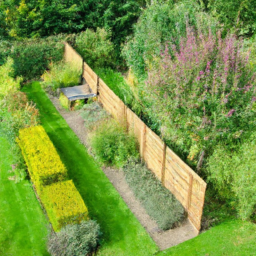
[230, 113]
[253, 99]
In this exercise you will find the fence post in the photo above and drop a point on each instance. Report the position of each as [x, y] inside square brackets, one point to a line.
[189, 191]
[163, 166]
[143, 141]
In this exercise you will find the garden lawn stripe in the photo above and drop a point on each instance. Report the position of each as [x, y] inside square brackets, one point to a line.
[122, 233]
[23, 226]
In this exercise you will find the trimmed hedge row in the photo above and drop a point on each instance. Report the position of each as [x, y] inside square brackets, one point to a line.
[44, 164]
[63, 203]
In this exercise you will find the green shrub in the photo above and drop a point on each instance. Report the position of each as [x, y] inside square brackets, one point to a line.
[44, 164]
[92, 114]
[96, 48]
[236, 15]
[32, 57]
[112, 145]
[233, 174]
[63, 204]
[79, 239]
[161, 23]
[61, 75]
[16, 113]
[117, 84]
[7, 83]
[64, 102]
[159, 202]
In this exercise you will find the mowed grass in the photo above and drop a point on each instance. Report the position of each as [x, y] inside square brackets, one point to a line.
[122, 233]
[23, 226]
[232, 238]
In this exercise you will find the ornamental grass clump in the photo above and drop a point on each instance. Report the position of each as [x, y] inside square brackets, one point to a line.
[112, 145]
[63, 204]
[61, 75]
[203, 91]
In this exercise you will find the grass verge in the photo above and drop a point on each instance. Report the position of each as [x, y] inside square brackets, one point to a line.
[234, 238]
[122, 233]
[23, 226]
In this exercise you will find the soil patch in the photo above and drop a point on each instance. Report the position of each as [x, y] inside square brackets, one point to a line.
[164, 239]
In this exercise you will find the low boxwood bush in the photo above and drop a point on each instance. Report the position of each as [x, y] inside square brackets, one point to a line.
[112, 145]
[63, 203]
[158, 202]
[60, 75]
[44, 164]
[78, 239]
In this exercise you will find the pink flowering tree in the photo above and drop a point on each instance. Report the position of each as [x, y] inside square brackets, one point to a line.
[202, 92]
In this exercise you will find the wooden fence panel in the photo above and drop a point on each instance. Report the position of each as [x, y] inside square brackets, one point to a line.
[153, 153]
[175, 175]
[186, 186]
[91, 78]
[111, 102]
[70, 55]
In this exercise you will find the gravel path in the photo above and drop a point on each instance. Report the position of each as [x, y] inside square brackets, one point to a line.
[164, 239]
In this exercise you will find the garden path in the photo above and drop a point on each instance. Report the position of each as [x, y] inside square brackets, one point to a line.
[164, 239]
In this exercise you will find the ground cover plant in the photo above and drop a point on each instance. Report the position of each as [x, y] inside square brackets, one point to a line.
[159, 203]
[119, 226]
[75, 239]
[93, 114]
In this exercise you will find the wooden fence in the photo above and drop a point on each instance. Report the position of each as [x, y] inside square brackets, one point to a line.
[174, 174]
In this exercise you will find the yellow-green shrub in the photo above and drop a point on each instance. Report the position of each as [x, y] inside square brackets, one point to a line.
[64, 205]
[44, 164]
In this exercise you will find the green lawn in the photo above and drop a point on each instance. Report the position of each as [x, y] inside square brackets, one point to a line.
[23, 226]
[233, 238]
[123, 234]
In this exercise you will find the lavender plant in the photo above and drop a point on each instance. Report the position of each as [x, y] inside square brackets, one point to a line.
[203, 91]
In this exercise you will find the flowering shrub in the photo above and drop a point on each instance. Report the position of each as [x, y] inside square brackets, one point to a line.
[64, 205]
[203, 92]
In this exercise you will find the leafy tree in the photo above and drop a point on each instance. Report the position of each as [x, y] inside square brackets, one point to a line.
[237, 15]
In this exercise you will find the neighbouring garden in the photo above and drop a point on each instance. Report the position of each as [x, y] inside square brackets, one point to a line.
[186, 68]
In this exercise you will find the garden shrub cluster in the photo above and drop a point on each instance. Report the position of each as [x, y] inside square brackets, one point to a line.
[31, 57]
[44, 164]
[75, 239]
[112, 145]
[96, 48]
[60, 75]
[158, 201]
[63, 203]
